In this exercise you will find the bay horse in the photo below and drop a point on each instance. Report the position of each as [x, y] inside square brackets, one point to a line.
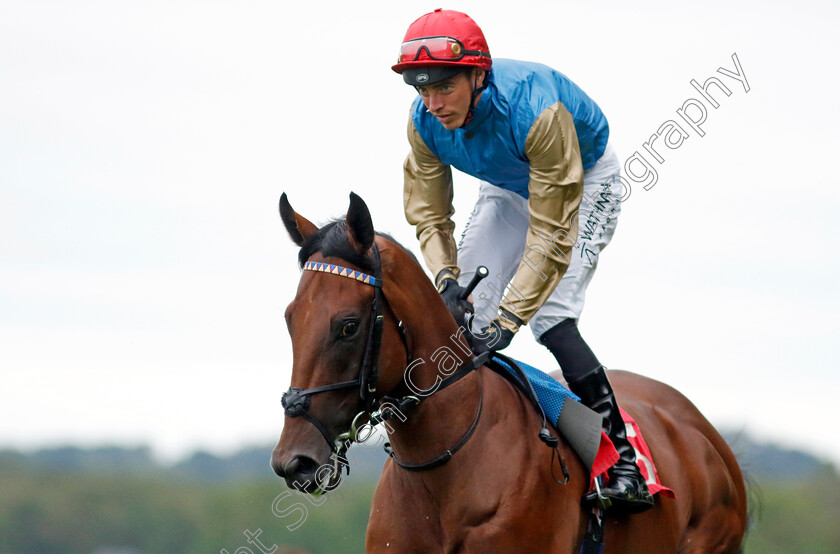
[468, 472]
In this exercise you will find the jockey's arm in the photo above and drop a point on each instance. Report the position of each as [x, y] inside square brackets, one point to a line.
[555, 189]
[427, 198]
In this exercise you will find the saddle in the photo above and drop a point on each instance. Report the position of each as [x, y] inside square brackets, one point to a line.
[578, 424]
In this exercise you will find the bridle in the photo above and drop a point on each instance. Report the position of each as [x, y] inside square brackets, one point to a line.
[296, 401]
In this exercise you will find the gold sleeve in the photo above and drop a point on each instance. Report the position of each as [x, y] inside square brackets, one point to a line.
[427, 199]
[555, 188]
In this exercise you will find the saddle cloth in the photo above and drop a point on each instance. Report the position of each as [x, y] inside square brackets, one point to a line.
[644, 459]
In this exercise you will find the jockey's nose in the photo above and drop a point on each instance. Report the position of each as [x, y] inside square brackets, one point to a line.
[435, 102]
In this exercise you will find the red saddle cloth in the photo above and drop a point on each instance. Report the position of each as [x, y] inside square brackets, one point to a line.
[607, 456]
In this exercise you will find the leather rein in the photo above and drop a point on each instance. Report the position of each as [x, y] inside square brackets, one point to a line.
[296, 401]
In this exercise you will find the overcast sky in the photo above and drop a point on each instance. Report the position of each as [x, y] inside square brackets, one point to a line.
[143, 147]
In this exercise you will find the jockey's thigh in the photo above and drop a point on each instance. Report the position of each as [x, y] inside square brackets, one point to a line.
[495, 237]
[597, 219]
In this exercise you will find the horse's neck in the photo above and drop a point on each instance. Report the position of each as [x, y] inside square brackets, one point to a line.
[437, 348]
[435, 342]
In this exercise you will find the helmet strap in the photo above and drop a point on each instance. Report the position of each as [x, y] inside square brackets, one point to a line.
[475, 92]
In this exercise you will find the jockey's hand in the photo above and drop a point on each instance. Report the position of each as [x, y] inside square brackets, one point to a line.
[451, 293]
[492, 338]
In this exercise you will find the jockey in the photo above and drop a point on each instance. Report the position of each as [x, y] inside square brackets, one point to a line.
[539, 145]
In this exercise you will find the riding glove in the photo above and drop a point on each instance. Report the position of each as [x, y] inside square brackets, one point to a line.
[492, 338]
[451, 293]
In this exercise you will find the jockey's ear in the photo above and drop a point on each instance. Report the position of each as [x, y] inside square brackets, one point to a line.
[359, 224]
[299, 227]
[479, 76]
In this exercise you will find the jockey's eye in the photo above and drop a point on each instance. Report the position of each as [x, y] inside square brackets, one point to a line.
[349, 329]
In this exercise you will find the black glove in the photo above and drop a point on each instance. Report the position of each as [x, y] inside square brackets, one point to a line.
[492, 338]
[451, 292]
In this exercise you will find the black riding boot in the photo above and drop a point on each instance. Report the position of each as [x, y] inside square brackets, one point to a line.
[626, 490]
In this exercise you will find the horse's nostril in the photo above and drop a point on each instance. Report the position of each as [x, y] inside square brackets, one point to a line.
[302, 466]
[299, 473]
[291, 468]
[277, 464]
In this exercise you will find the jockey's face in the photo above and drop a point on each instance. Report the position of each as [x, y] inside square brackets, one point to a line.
[449, 100]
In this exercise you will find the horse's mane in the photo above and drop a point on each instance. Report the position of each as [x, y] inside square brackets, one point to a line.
[331, 240]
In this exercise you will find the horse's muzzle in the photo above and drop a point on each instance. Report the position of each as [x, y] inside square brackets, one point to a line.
[299, 472]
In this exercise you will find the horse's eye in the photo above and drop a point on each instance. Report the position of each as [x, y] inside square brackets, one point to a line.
[350, 328]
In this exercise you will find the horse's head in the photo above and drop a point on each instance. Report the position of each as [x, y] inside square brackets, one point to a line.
[339, 369]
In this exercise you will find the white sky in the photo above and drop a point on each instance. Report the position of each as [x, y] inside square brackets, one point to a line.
[143, 146]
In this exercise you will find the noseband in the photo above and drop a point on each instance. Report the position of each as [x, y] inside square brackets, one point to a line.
[296, 401]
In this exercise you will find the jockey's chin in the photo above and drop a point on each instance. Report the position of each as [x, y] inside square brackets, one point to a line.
[451, 122]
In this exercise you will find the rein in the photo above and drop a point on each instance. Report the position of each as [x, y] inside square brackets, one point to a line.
[296, 401]
[445, 456]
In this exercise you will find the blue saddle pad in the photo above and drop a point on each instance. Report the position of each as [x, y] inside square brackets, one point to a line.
[550, 393]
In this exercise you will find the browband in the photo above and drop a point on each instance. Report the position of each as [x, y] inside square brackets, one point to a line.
[343, 272]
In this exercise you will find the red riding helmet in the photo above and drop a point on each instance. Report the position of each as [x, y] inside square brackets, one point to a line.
[439, 45]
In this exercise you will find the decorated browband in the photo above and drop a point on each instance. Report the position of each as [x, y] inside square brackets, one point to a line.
[341, 271]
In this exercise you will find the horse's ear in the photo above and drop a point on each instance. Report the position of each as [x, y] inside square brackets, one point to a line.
[299, 227]
[359, 224]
